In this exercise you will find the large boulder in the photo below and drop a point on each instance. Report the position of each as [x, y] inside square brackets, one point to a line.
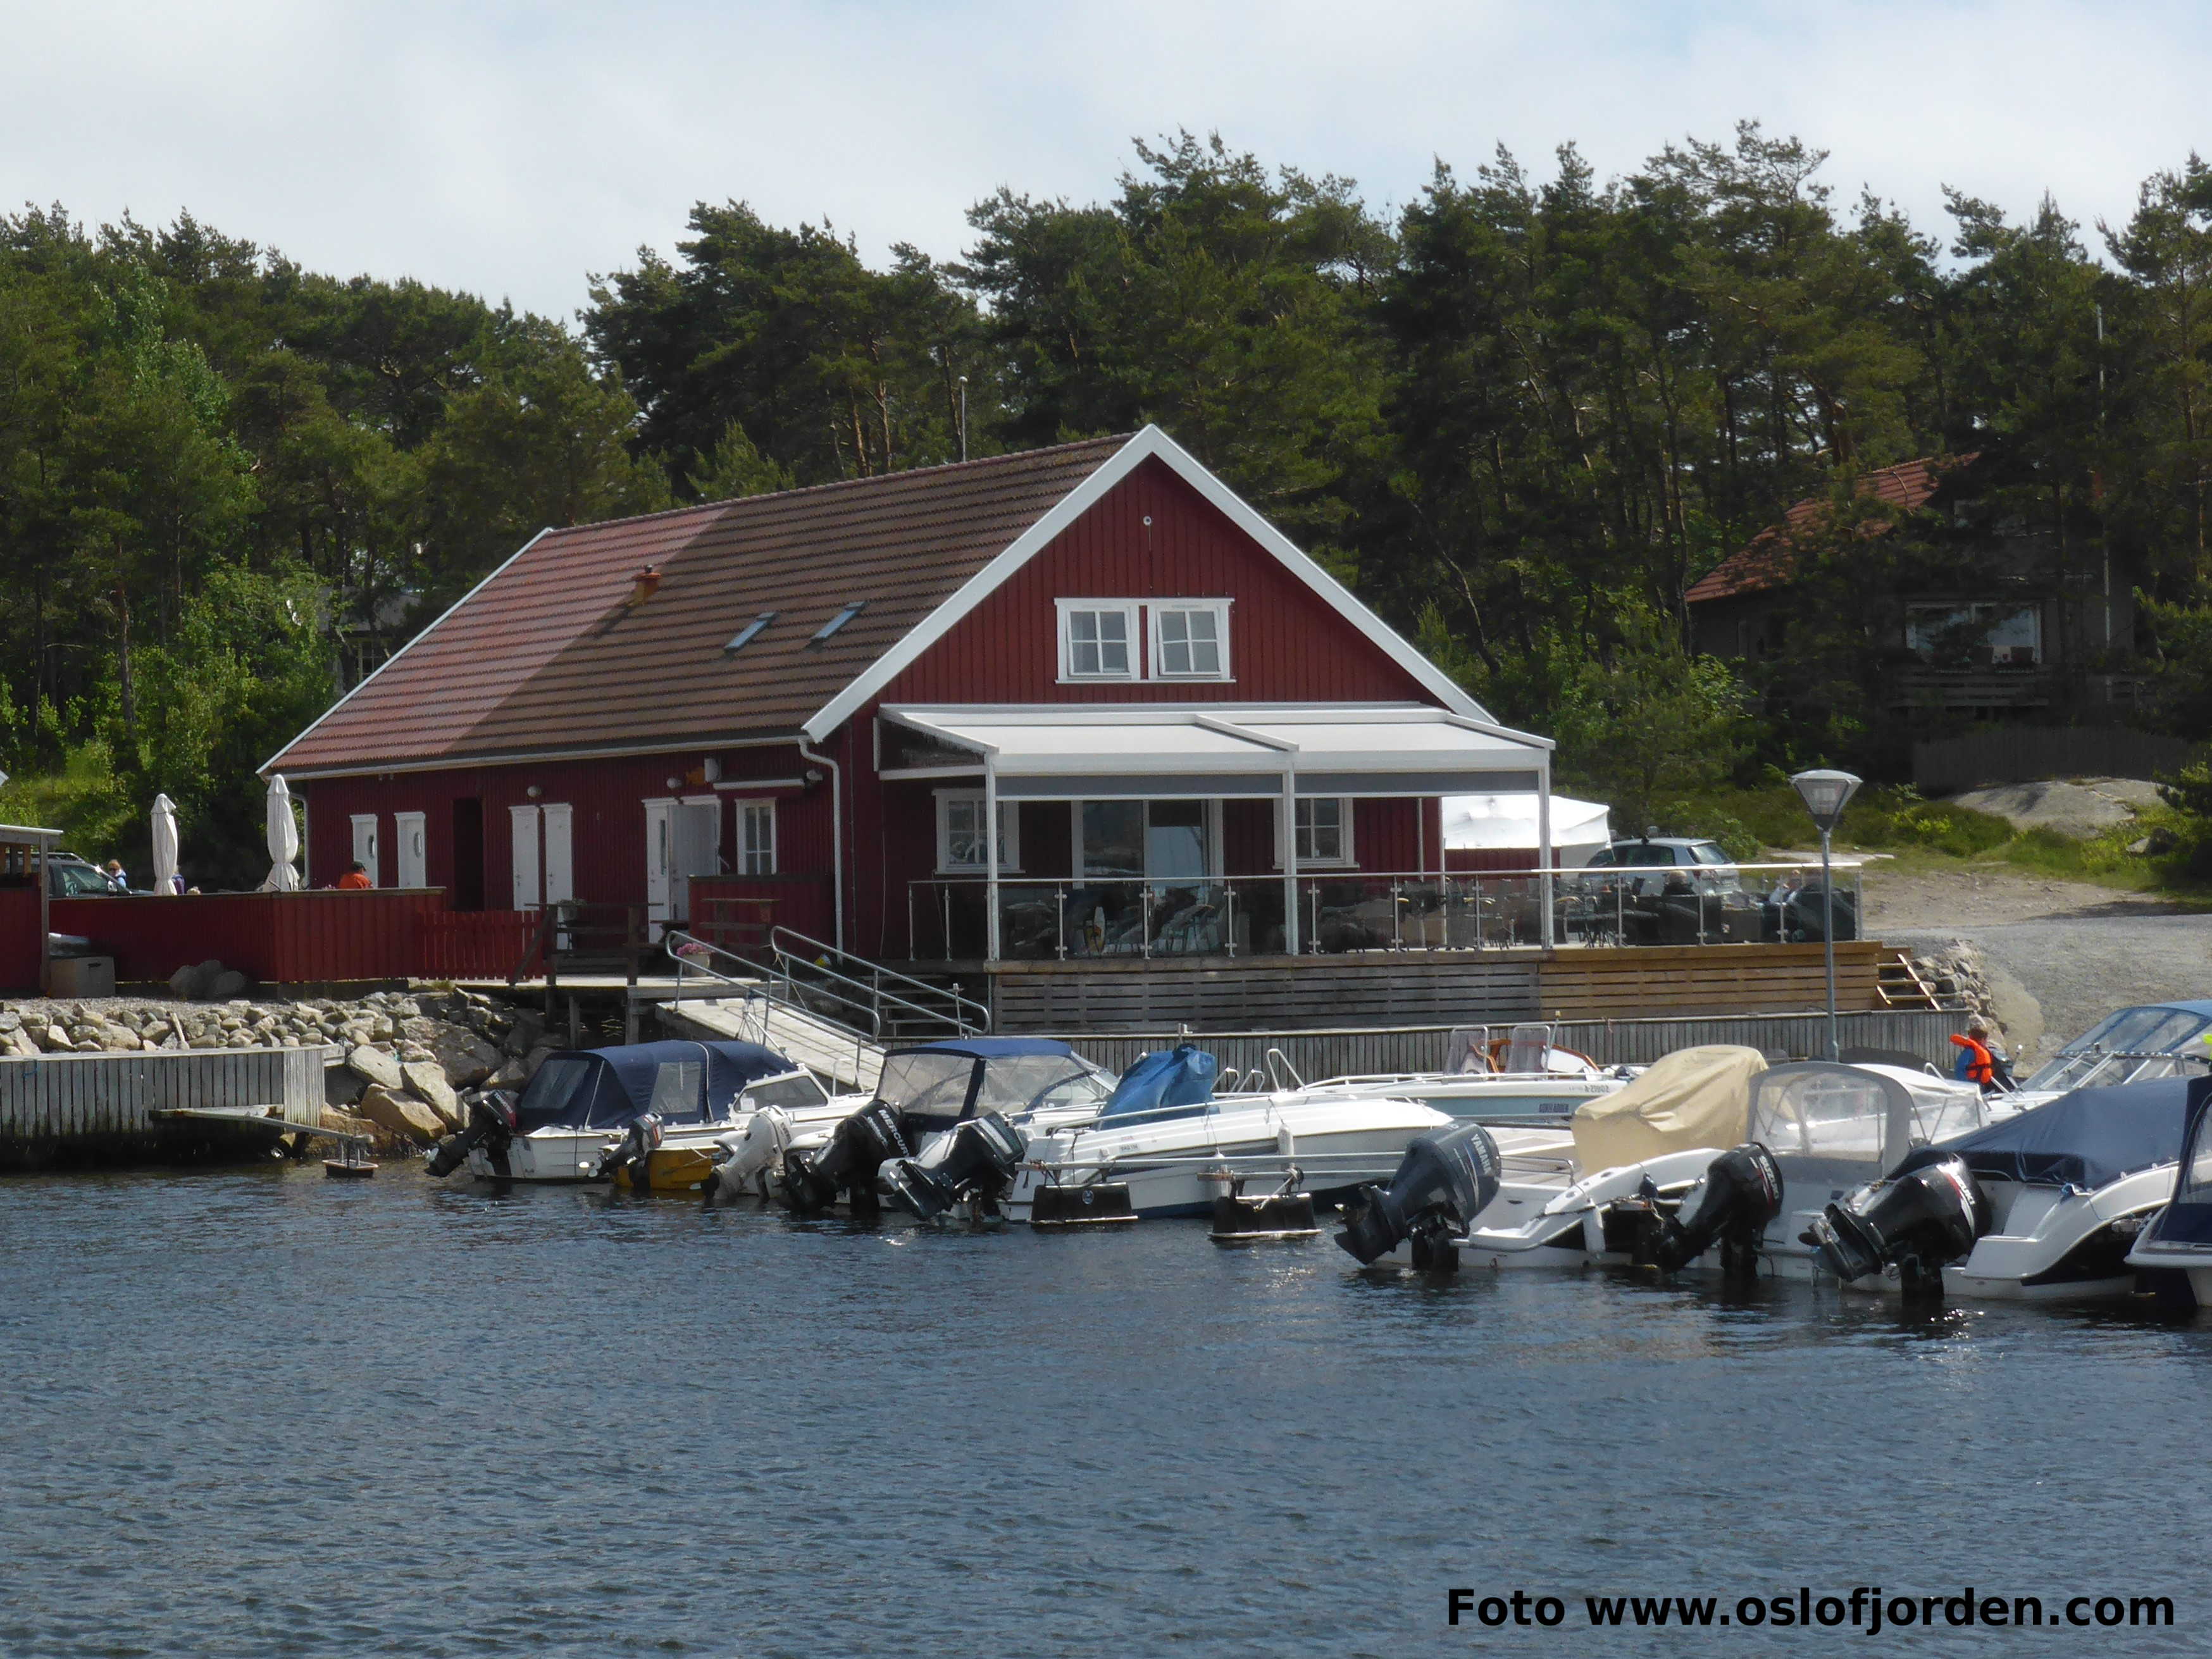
[402, 1116]
[343, 1085]
[465, 1058]
[426, 1081]
[376, 1067]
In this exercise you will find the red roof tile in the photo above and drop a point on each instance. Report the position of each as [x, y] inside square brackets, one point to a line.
[1768, 560]
[546, 655]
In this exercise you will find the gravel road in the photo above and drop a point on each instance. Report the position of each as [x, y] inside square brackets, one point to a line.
[2074, 951]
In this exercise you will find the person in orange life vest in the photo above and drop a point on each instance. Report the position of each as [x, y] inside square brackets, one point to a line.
[355, 880]
[1979, 1063]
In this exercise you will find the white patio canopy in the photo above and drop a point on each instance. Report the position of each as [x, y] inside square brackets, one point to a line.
[1229, 751]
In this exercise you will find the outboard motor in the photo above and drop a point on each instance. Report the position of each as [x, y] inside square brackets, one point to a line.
[1445, 1180]
[1741, 1194]
[748, 1155]
[971, 1163]
[491, 1125]
[811, 1180]
[1916, 1221]
[632, 1153]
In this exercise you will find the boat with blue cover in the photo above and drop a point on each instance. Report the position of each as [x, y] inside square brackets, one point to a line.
[581, 1101]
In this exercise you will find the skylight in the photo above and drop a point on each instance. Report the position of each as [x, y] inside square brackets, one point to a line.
[838, 621]
[749, 633]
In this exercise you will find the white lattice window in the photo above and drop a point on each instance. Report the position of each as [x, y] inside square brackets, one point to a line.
[960, 832]
[1324, 829]
[1098, 639]
[756, 837]
[1190, 640]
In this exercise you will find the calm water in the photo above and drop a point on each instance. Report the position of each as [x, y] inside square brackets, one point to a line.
[261, 1413]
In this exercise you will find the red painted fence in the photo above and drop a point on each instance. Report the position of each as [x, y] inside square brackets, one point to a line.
[276, 939]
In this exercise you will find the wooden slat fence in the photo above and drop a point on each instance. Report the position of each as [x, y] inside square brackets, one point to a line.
[58, 1106]
[1688, 979]
[2027, 754]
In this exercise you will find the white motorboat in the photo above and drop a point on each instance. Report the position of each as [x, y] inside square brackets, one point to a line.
[2135, 1045]
[1168, 1147]
[925, 1092]
[792, 1109]
[2045, 1205]
[1523, 1076]
[580, 1101]
[2176, 1246]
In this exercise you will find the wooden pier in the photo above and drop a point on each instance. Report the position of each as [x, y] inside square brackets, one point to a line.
[61, 1111]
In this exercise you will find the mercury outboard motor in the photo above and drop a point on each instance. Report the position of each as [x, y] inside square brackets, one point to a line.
[811, 1180]
[1916, 1221]
[491, 1125]
[972, 1162]
[1445, 1180]
[632, 1153]
[1741, 1194]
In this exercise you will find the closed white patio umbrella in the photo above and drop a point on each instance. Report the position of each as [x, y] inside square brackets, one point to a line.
[283, 840]
[165, 845]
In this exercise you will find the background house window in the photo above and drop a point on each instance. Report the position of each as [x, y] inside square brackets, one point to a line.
[757, 838]
[1191, 642]
[1098, 640]
[1324, 829]
[960, 832]
[1971, 635]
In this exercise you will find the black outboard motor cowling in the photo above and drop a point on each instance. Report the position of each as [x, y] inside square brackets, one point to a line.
[1742, 1194]
[848, 1163]
[974, 1164]
[1916, 1221]
[491, 1125]
[632, 1153]
[1445, 1180]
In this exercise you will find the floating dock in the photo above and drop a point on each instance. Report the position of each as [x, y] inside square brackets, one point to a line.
[78, 1111]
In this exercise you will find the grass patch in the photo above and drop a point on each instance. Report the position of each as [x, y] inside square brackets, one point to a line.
[87, 800]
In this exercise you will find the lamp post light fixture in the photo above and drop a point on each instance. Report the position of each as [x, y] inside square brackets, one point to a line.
[1826, 794]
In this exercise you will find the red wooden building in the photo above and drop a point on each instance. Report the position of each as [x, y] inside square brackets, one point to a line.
[1194, 741]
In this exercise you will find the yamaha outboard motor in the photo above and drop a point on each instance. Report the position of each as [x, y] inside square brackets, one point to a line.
[1445, 1180]
[1916, 1221]
[631, 1154]
[748, 1155]
[1741, 1194]
[491, 1125]
[811, 1180]
[972, 1162]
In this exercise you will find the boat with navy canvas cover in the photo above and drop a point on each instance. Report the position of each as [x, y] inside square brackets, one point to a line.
[2133, 1045]
[2178, 1240]
[582, 1099]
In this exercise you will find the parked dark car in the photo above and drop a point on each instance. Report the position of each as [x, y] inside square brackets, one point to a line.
[1682, 891]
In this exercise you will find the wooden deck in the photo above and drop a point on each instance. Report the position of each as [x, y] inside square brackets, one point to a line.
[1400, 989]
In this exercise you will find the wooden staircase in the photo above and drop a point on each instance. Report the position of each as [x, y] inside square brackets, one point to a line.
[1901, 984]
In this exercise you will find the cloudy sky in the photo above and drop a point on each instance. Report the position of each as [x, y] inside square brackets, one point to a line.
[510, 149]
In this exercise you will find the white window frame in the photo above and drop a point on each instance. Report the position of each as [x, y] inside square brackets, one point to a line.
[1218, 609]
[1131, 611]
[747, 806]
[1348, 857]
[1010, 835]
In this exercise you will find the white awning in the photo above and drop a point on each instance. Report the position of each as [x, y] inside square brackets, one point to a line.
[1508, 823]
[1170, 752]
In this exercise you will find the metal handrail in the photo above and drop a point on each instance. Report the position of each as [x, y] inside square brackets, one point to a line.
[826, 970]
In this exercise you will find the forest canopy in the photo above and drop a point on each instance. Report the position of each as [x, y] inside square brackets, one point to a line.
[1521, 417]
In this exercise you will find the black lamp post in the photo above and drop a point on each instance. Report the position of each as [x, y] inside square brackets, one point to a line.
[1826, 794]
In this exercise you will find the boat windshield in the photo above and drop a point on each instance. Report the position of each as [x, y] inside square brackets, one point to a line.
[794, 1091]
[1019, 1083]
[1833, 1124]
[931, 1084]
[675, 1090]
[2133, 1046]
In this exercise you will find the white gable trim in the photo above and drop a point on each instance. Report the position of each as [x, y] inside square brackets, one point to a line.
[269, 765]
[1147, 444]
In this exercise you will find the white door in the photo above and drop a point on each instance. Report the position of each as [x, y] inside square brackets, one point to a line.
[527, 886]
[659, 858]
[413, 850]
[560, 859]
[698, 850]
[364, 843]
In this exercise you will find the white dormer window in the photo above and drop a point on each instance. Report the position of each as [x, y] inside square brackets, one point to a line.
[1190, 640]
[1099, 640]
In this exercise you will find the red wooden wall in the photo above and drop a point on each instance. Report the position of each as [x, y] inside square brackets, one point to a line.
[19, 939]
[1286, 643]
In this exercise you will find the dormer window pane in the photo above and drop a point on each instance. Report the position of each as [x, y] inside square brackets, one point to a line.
[1098, 643]
[1190, 640]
